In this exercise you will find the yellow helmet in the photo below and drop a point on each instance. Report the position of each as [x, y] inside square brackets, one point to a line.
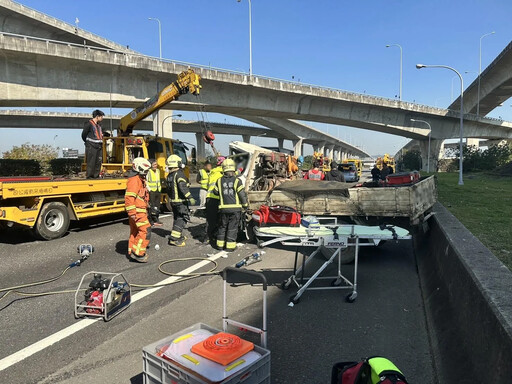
[228, 165]
[173, 161]
[141, 165]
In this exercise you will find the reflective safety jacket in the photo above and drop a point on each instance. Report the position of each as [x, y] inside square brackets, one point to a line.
[178, 187]
[153, 181]
[230, 191]
[136, 196]
[215, 174]
[202, 178]
[314, 174]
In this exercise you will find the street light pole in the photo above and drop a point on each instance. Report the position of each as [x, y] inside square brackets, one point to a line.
[250, 36]
[480, 71]
[165, 118]
[429, 134]
[420, 66]
[401, 62]
[159, 33]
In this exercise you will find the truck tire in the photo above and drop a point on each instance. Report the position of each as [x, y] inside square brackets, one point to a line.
[53, 221]
[347, 255]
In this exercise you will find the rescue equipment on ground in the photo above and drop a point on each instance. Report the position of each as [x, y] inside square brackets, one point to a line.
[106, 295]
[276, 215]
[252, 259]
[372, 370]
[337, 237]
[201, 354]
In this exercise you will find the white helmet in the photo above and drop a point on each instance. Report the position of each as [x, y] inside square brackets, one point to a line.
[141, 165]
[173, 161]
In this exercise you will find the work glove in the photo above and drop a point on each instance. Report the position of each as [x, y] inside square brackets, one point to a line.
[192, 201]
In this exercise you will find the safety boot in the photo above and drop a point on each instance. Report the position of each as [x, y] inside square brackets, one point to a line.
[178, 243]
[138, 259]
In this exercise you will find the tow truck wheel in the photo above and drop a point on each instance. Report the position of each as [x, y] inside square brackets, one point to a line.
[53, 221]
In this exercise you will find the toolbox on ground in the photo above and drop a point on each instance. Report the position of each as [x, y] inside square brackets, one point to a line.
[203, 355]
[403, 178]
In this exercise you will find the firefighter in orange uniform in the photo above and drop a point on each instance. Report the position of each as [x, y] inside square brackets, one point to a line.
[136, 201]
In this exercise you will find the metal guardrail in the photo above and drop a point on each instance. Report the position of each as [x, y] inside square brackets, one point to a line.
[254, 77]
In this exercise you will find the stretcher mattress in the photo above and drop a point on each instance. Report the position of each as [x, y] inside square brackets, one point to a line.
[361, 231]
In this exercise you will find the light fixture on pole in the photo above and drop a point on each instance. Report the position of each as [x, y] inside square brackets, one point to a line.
[165, 118]
[401, 62]
[250, 36]
[420, 66]
[429, 134]
[480, 71]
[159, 33]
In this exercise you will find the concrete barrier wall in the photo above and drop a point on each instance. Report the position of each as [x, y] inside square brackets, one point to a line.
[467, 293]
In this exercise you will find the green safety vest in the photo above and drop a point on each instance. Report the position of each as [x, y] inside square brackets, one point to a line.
[379, 366]
[215, 174]
[204, 179]
[235, 201]
[153, 181]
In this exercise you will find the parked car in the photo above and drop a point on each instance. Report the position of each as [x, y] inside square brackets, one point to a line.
[349, 171]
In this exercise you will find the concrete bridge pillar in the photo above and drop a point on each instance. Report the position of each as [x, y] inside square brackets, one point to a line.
[321, 148]
[200, 146]
[280, 143]
[316, 148]
[329, 151]
[337, 154]
[436, 152]
[162, 123]
[298, 147]
[246, 138]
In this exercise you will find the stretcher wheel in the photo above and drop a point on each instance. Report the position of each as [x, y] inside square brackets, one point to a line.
[351, 297]
[336, 282]
[259, 242]
[286, 284]
[294, 300]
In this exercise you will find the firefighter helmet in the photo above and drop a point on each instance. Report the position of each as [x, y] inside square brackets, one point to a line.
[141, 165]
[228, 165]
[174, 161]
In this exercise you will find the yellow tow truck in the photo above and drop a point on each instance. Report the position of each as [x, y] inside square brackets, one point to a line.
[48, 205]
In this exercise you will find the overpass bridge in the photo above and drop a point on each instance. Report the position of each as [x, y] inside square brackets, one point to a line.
[66, 120]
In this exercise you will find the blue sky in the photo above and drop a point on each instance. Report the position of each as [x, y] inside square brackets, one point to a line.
[339, 44]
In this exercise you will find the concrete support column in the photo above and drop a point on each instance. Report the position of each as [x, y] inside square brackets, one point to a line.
[298, 147]
[246, 138]
[280, 143]
[330, 151]
[435, 153]
[162, 123]
[337, 154]
[316, 148]
[200, 146]
[321, 148]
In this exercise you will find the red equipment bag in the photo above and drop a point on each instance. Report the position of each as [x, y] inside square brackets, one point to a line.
[373, 370]
[403, 178]
[276, 215]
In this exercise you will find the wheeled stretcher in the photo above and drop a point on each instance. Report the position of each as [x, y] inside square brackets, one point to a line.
[337, 236]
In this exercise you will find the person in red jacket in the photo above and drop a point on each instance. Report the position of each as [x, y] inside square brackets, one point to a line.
[315, 173]
[136, 200]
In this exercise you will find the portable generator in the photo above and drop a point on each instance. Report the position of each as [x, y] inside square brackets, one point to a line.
[102, 294]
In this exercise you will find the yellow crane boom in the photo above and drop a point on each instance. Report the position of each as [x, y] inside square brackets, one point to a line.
[187, 82]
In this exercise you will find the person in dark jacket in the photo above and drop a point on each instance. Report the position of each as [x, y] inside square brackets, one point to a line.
[92, 135]
[334, 174]
[375, 173]
[385, 171]
[181, 198]
[232, 199]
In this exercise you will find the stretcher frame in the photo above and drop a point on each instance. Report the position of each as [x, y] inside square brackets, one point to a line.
[334, 240]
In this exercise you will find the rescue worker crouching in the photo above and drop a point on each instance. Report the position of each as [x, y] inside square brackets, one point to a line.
[212, 201]
[136, 201]
[232, 198]
[154, 185]
[181, 198]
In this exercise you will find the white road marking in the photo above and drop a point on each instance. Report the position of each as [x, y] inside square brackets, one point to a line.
[38, 346]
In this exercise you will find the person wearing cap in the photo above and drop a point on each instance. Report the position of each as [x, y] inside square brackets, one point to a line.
[202, 179]
[92, 135]
[212, 201]
[229, 190]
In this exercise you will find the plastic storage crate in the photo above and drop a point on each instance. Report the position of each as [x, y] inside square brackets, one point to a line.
[158, 370]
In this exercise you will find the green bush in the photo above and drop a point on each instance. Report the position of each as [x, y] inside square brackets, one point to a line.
[19, 167]
[60, 167]
[489, 159]
[411, 161]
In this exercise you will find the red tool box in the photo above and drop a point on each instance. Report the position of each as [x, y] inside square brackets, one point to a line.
[403, 178]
